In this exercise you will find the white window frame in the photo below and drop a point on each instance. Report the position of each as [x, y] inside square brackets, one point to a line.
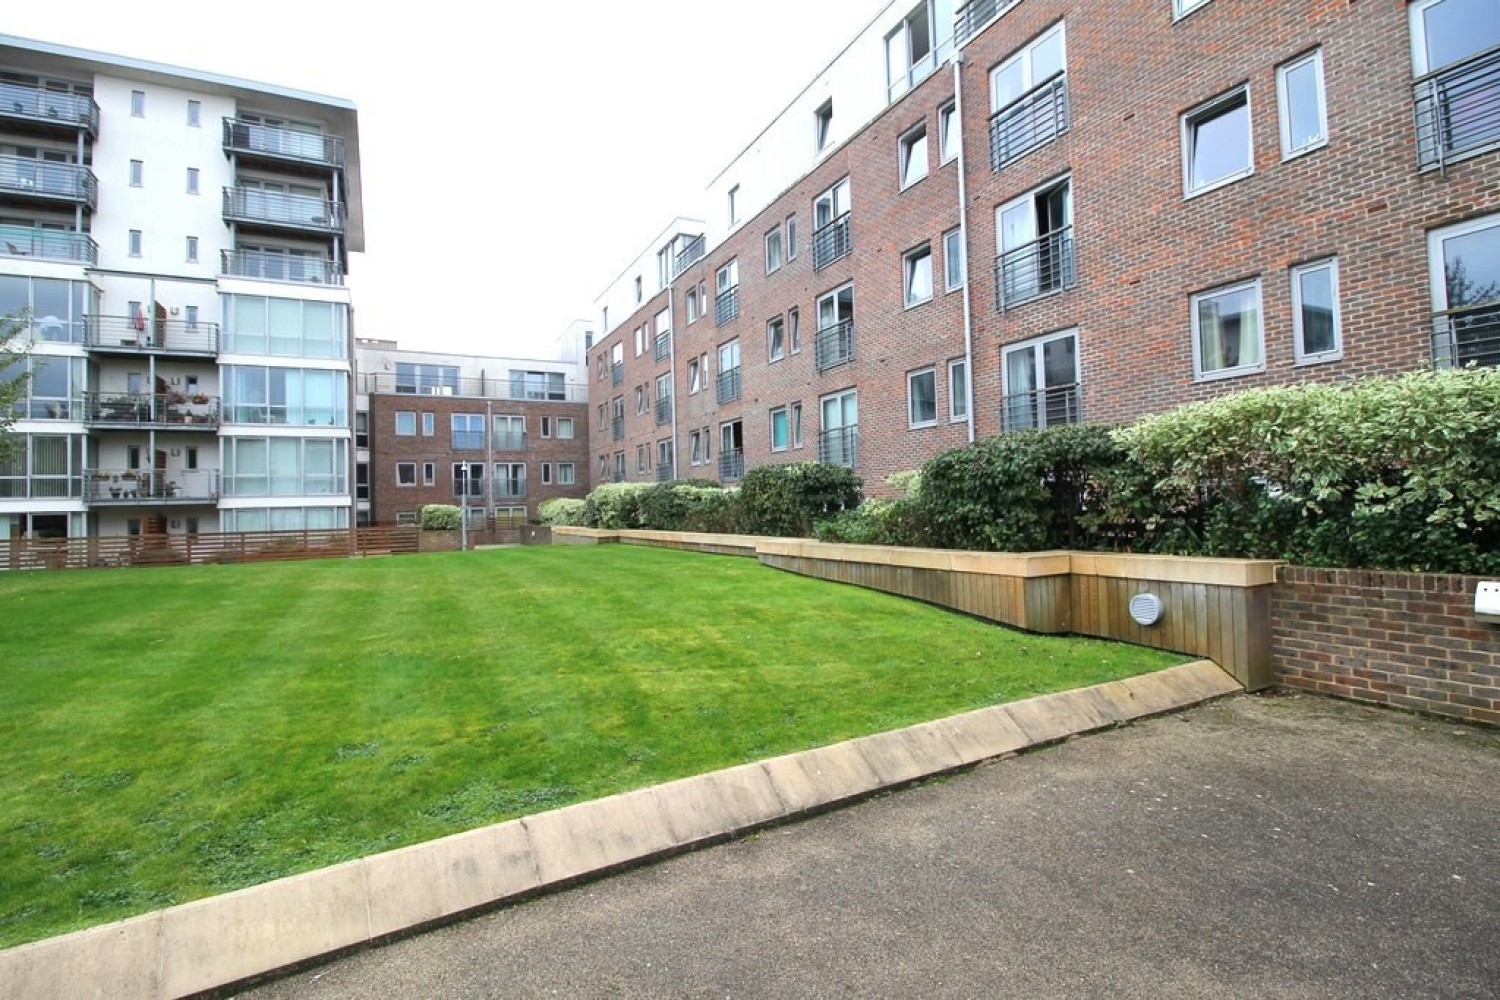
[908, 265]
[137, 104]
[695, 376]
[137, 173]
[694, 309]
[429, 473]
[1036, 347]
[786, 420]
[958, 379]
[1330, 264]
[412, 416]
[823, 128]
[193, 185]
[195, 113]
[1182, 8]
[949, 129]
[567, 475]
[912, 168]
[790, 243]
[410, 470]
[561, 422]
[429, 423]
[930, 372]
[1206, 112]
[192, 249]
[137, 240]
[774, 237]
[952, 236]
[1260, 321]
[1283, 105]
[772, 354]
[695, 448]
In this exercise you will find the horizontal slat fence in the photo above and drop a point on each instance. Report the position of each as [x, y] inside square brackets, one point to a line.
[155, 549]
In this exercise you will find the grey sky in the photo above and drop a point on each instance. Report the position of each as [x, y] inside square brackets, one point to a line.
[516, 157]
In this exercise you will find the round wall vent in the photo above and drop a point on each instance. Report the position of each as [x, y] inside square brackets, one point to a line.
[1145, 609]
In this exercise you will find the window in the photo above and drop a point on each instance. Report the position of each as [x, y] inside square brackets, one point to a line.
[406, 423]
[617, 363]
[1227, 332]
[1458, 89]
[916, 267]
[791, 237]
[734, 214]
[510, 480]
[429, 473]
[135, 243]
[640, 400]
[1464, 266]
[729, 372]
[406, 473]
[361, 429]
[665, 460]
[1315, 311]
[1036, 244]
[953, 259]
[1029, 98]
[913, 156]
[192, 249]
[406, 517]
[694, 309]
[776, 339]
[640, 340]
[638, 289]
[429, 424]
[731, 450]
[727, 292]
[909, 57]
[254, 394]
[1216, 148]
[467, 431]
[565, 428]
[695, 448]
[546, 425]
[1182, 8]
[823, 126]
[619, 466]
[192, 180]
[538, 385]
[695, 376]
[947, 133]
[831, 237]
[921, 398]
[546, 473]
[642, 458]
[838, 440]
[195, 113]
[796, 425]
[1041, 382]
[566, 475]
[773, 250]
[137, 173]
[510, 432]
[794, 330]
[468, 479]
[780, 429]
[1299, 97]
[192, 317]
[835, 339]
[254, 324]
[137, 104]
[958, 390]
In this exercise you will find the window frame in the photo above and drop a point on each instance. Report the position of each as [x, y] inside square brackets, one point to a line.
[906, 156]
[958, 378]
[823, 128]
[1283, 98]
[412, 414]
[949, 285]
[929, 373]
[136, 243]
[557, 432]
[790, 242]
[1182, 8]
[137, 104]
[784, 415]
[775, 236]
[1208, 111]
[137, 173]
[194, 184]
[194, 113]
[949, 126]
[406, 475]
[774, 324]
[1199, 375]
[1336, 352]
[908, 261]
[429, 423]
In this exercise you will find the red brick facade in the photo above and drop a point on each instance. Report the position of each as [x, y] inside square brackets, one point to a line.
[1405, 639]
[1141, 249]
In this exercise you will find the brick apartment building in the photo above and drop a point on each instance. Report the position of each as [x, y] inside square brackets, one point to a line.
[1051, 211]
[497, 436]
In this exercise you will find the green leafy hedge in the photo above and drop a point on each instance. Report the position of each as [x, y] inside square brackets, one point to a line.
[439, 517]
[562, 511]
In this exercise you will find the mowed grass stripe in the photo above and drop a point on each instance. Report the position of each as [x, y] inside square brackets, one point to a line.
[173, 733]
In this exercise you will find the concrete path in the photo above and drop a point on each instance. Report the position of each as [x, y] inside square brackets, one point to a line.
[1254, 847]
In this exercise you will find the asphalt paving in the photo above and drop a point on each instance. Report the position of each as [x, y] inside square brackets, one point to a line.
[1281, 846]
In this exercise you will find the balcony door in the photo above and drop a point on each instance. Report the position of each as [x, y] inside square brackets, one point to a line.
[1033, 248]
[1041, 382]
[1464, 264]
[1444, 32]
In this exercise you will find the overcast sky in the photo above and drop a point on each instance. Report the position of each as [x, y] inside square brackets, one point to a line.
[516, 157]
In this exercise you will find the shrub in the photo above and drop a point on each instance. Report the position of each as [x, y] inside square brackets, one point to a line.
[789, 499]
[439, 517]
[667, 506]
[901, 521]
[562, 511]
[615, 506]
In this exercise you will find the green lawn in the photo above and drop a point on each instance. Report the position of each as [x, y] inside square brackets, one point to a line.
[178, 732]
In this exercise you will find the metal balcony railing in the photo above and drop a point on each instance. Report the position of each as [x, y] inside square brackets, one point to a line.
[835, 345]
[496, 387]
[39, 487]
[1034, 269]
[1458, 110]
[1471, 336]
[158, 411]
[277, 143]
[509, 488]
[832, 242]
[46, 181]
[727, 388]
[663, 410]
[48, 244]
[1048, 407]
[1034, 119]
[510, 440]
[37, 408]
[839, 446]
[689, 255]
[286, 211]
[289, 415]
[617, 373]
[126, 487]
[280, 267]
[665, 473]
[971, 18]
[617, 429]
[663, 346]
[731, 464]
[38, 104]
[726, 305]
[139, 335]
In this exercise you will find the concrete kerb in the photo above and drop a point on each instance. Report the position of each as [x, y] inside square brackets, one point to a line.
[215, 943]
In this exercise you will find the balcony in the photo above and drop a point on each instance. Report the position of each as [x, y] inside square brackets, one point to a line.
[1048, 407]
[156, 487]
[972, 18]
[835, 345]
[663, 346]
[175, 411]
[42, 182]
[726, 305]
[1035, 269]
[294, 268]
[279, 210]
[665, 473]
[273, 145]
[1471, 336]
[664, 411]
[727, 389]
[731, 465]
[510, 441]
[48, 244]
[617, 373]
[501, 387]
[832, 242]
[139, 335]
[57, 408]
[1034, 119]
[39, 110]
[839, 446]
[689, 255]
[617, 429]
[1458, 111]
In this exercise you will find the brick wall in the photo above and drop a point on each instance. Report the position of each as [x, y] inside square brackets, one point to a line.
[1404, 639]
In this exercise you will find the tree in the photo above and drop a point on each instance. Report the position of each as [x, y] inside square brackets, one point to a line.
[13, 377]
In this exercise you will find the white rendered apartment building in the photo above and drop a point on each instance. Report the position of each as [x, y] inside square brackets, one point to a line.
[175, 242]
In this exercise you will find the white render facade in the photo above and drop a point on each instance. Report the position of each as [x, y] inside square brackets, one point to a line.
[174, 244]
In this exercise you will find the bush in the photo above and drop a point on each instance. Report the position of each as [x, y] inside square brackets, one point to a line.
[902, 521]
[562, 511]
[668, 506]
[615, 506]
[789, 500]
[439, 517]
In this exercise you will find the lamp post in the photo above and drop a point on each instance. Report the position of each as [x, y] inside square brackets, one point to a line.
[463, 507]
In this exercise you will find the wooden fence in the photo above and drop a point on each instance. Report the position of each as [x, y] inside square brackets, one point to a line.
[156, 549]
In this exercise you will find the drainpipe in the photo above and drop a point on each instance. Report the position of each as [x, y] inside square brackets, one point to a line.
[963, 228]
[672, 361]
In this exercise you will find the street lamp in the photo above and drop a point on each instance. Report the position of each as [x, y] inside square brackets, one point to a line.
[463, 507]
